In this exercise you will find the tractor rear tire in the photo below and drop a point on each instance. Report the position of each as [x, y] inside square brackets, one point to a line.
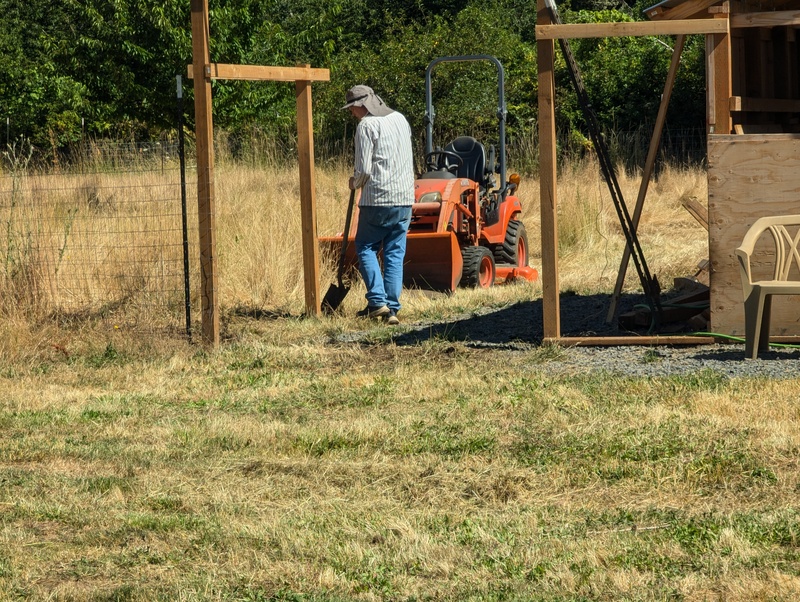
[479, 268]
[514, 250]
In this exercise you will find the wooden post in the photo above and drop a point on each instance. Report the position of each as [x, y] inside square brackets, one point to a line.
[649, 164]
[719, 79]
[205, 173]
[547, 178]
[202, 71]
[308, 205]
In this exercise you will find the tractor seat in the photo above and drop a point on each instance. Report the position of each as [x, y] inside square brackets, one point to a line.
[473, 156]
[438, 175]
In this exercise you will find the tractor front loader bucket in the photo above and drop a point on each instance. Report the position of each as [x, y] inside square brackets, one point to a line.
[433, 261]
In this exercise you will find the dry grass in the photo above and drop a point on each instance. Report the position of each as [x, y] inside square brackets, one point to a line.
[261, 258]
[89, 242]
[286, 466]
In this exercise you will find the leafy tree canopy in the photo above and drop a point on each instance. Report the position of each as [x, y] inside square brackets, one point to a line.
[111, 65]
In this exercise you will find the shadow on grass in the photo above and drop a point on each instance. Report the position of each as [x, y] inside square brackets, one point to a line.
[581, 315]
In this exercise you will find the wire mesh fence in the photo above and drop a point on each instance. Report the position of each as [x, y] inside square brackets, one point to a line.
[99, 238]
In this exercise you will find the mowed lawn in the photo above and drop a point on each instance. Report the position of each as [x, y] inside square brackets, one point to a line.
[286, 466]
[290, 466]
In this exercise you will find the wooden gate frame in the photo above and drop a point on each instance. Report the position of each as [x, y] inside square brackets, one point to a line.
[717, 31]
[302, 76]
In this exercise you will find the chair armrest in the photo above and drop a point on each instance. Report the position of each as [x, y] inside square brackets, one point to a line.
[743, 255]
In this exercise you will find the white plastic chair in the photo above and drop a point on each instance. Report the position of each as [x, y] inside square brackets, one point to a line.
[758, 294]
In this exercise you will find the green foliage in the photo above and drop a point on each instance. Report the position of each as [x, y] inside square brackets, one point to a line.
[112, 64]
[464, 95]
[624, 78]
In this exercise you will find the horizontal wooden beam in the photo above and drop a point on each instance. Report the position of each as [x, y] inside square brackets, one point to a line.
[615, 341]
[765, 105]
[773, 19]
[636, 29]
[666, 340]
[262, 73]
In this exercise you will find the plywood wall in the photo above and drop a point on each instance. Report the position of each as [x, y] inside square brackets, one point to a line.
[749, 176]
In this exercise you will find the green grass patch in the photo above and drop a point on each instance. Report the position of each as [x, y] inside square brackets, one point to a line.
[285, 470]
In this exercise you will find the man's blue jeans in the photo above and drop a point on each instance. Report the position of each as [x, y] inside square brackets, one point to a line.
[382, 228]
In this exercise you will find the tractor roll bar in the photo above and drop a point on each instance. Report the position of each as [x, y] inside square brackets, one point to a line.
[430, 113]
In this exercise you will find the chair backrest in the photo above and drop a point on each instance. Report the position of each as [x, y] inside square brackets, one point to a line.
[785, 231]
[473, 155]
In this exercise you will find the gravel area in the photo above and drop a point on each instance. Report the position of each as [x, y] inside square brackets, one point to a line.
[519, 328]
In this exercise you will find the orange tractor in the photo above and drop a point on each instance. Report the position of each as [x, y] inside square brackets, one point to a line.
[465, 225]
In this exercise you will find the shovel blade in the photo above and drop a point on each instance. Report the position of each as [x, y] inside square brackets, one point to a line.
[334, 297]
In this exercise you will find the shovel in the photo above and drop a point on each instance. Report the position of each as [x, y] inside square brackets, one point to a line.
[337, 292]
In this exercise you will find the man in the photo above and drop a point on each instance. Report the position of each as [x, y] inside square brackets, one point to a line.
[384, 170]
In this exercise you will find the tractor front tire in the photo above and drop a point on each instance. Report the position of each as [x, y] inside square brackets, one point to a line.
[514, 250]
[479, 268]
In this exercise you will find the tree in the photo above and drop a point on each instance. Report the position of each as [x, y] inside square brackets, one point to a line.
[114, 62]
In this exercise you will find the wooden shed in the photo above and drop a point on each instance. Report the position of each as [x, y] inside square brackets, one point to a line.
[753, 127]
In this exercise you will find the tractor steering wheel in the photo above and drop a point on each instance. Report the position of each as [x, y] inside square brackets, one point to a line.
[439, 160]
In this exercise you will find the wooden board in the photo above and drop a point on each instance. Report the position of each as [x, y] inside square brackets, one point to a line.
[262, 73]
[718, 51]
[667, 340]
[308, 203]
[764, 105]
[771, 19]
[749, 176]
[697, 211]
[547, 180]
[613, 341]
[630, 28]
[684, 10]
[206, 213]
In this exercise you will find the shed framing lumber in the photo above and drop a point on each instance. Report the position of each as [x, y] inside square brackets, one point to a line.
[302, 76]
[649, 164]
[765, 105]
[262, 73]
[773, 19]
[546, 32]
[631, 29]
[682, 11]
[719, 82]
[653, 341]
[665, 340]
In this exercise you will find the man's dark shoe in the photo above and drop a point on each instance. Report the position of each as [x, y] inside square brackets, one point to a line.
[392, 319]
[374, 312]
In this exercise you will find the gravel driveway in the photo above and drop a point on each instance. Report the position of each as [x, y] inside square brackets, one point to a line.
[519, 328]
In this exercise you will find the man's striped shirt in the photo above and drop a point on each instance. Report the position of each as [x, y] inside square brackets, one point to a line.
[384, 166]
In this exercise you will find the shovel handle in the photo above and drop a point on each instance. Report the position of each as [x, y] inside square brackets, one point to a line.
[345, 234]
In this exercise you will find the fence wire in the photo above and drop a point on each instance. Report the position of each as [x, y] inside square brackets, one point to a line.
[98, 239]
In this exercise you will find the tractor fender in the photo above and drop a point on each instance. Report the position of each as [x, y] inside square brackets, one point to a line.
[509, 209]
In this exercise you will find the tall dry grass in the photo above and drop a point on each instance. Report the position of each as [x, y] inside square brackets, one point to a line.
[91, 243]
[101, 241]
[258, 218]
